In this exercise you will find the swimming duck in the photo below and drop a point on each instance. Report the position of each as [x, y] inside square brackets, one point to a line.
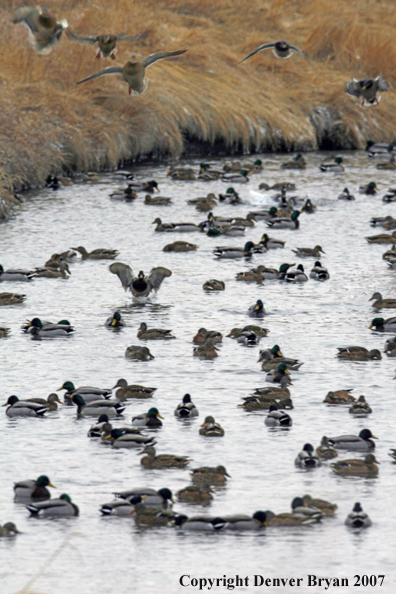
[50, 402]
[307, 458]
[182, 173]
[381, 325]
[138, 353]
[357, 353]
[274, 391]
[308, 206]
[132, 391]
[23, 408]
[270, 243]
[89, 393]
[134, 72]
[357, 518]
[128, 194]
[54, 507]
[248, 338]
[296, 276]
[44, 29]
[301, 515]
[157, 201]
[9, 529]
[210, 285]
[391, 164]
[162, 498]
[16, 275]
[231, 195]
[257, 310]
[326, 451]
[272, 357]
[240, 177]
[140, 285]
[97, 429]
[346, 195]
[206, 173]
[258, 330]
[210, 475]
[390, 347]
[366, 89]
[380, 302]
[11, 298]
[151, 419]
[4, 332]
[47, 330]
[298, 162]
[62, 272]
[253, 403]
[248, 276]
[97, 407]
[195, 494]
[234, 252]
[327, 508]
[145, 333]
[115, 321]
[263, 215]
[339, 397]
[186, 409]
[241, 522]
[151, 460]
[180, 246]
[203, 335]
[390, 196]
[392, 454]
[207, 350]
[106, 43]
[126, 437]
[387, 222]
[210, 428]
[367, 468]
[33, 490]
[335, 167]
[121, 507]
[162, 227]
[382, 238]
[375, 149]
[281, 49]
[98, 254]
[357, 443]
[275, 375]
[360, 408]
[277, 418]
[309, 252]
[272, 273]
[284, 223]
[369, 189]
[319, 272]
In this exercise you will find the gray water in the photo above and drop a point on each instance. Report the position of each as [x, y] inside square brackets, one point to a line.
[308, 321]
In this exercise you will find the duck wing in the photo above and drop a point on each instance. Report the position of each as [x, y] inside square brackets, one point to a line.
[353, 88]
[259, 49]
[108, 70]
[161, 56]
[157, 275]
[28, 15]
[91, 39]
[124, 273]
[382, 85]
[125, 37]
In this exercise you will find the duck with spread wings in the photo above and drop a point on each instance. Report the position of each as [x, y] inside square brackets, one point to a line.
[140, 285]
[106, 43]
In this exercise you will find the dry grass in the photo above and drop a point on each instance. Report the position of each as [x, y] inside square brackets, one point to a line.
[47, 124]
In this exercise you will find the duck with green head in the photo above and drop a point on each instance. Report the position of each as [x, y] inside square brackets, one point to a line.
[358, 443]
[298, 162]
[151, 419]
[270, 243]
[257, 310]
[381, 325]
[61, 507]
[235, 177]
[89, 393]
[235, 252]
[33, 490]
[285, 223]
[115, 321]
[275, 376]
[369, 189]
[335, 167]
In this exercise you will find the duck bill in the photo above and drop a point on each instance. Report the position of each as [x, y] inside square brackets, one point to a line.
[279, 354]
[61, 388]
[113, 322]
[371, 298]
[159, 416]
[5, 404]
[374, 437]
[371, 326]
[51, 485]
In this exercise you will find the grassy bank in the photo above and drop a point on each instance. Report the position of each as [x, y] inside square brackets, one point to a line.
[202, 99]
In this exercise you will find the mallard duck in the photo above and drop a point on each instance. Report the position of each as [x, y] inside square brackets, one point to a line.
[381, 325]
[258, 331]
[106, 43]
[388, 223]
[273, 273]
[240, 177]
[203, 335]
[54, 507]
[9, 529]
[369, 189]
[271, 358]
[326, 451]
[151, 419]
[33, 490]
[98, 254]
[257, 310]
[357, 353]
[241, 522]
[319, 272]
[115, 321]
[51, 402]
[277, 418]
[4, 332]
[11, 298]
[270, 243]
[248, 338]
[309, 252]
[16, 275]
[23, 408]
[391, 164]
[163, 227]
[128, 194]
[121, 507]
[145, 333]
[263, 215]
[327, 508]
[89, 393]
[195, 494]
[380, 302]
[360, 408]
[180, 246]
[186, 409]
[153, 516]
[182, 173]
[232, 196]
[248, 276]
[366, 89]
[301, 515]
[307, 458]
[44, 29]
[281, 49]
[138, 353]
[126, 437]
[199, 523]
[41, 329]
[390, 347]
[210, 475]
[357, 443]
[392, 454]
[377, 149]
[275, 375]
[382, 238]
[206, 173]
[335, 167]
[97, 407]
[308, 206]
[132, 391]
[273, 391]
[367, 467]
[235, 252]
[298, 162]
[346, 195]
[98, 429]
[210, 428]
[285, 223]
[207, 350]
[296, 276]
[151, 460]
[162, 498]
[157, 201]
[62, 272]
[339, 397]
[390, 196]
[140, 285]
[254, 403]
[357, 518]
[210, 285]
[134, 72]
